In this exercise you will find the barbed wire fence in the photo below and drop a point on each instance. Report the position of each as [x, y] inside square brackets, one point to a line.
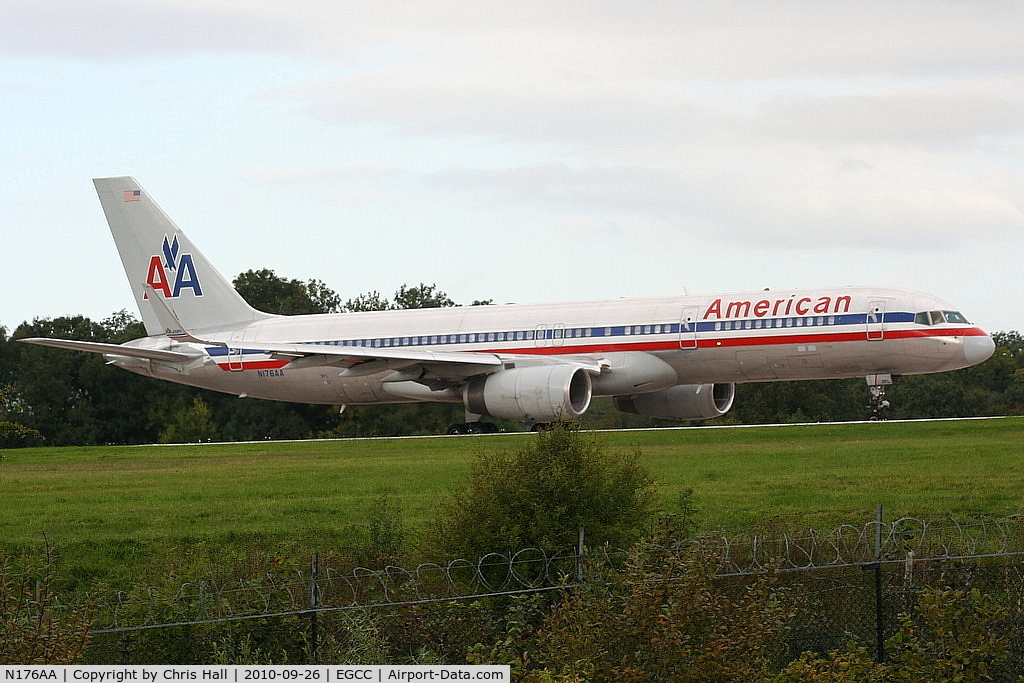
[878, 565]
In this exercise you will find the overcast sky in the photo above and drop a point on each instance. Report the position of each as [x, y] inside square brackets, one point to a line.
[526, 151]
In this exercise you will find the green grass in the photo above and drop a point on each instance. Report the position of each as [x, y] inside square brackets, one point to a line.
[121, 513]
[824, 475]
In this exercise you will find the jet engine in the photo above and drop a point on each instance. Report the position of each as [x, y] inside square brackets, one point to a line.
[540, 393]
[683, 402]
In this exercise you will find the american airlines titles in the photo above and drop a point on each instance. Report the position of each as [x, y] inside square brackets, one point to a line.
[767, 307]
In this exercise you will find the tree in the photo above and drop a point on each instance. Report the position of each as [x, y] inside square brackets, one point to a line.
[192, 424]
[323, 298]
[13, 433]
[422, 296]
[370, 301]
[7, 353]
[541, 494]
[265, 290]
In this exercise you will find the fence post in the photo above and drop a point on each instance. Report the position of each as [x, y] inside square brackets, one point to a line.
[579, 559]
[879, 624]
[314, 604]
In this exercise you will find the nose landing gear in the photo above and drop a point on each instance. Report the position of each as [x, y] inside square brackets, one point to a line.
[877, 385]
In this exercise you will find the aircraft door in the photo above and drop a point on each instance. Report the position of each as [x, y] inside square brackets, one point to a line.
[235, 351]
[688, 327]
[541, 336]
[558, 334]
[876, 321]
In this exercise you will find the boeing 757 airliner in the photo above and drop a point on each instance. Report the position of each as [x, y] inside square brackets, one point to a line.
[676, 357]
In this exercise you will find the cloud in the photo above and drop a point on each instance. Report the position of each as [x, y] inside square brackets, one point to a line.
[795, 122]
[766, 199]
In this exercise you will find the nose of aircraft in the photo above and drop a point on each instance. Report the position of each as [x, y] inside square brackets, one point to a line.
[978, 348]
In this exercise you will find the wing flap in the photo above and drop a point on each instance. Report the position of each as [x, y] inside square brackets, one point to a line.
[324, 354]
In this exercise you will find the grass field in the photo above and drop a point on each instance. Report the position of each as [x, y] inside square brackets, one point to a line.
[112, 512]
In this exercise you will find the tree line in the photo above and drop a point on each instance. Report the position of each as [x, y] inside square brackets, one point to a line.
[62, 398]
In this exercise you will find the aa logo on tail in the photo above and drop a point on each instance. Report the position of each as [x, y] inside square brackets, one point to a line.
[172, 272]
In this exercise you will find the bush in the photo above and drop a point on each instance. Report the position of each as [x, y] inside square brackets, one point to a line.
[542, 494]
[34, 627]
[667, 617]
[951, 635]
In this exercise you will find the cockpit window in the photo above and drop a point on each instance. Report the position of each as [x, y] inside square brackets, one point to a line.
[954, 317]
[939, 317]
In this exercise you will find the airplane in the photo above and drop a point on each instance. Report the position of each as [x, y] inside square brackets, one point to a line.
[675, 357]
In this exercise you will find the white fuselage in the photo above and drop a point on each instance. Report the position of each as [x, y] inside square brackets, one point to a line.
[746, 337]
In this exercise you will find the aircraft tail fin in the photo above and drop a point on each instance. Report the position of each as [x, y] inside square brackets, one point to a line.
[160, 260]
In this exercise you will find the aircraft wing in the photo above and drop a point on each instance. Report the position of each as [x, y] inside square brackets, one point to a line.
[113, 349]
[434, 369]
[412, 363]
[302, 355]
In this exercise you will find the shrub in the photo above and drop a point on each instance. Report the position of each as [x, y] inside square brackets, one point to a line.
[951, 635]
[541, 494]
[666, 617]
[34, 627]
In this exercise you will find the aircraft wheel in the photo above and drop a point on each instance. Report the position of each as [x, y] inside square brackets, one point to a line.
[456, 429]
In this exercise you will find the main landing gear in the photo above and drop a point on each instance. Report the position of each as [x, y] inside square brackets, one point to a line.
[877, 385]
[473, 428]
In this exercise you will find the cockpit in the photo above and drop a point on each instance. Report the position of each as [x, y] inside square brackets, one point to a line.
[940, 317]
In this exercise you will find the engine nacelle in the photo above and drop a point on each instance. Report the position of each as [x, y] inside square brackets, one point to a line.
[540, 393]
[683, 402]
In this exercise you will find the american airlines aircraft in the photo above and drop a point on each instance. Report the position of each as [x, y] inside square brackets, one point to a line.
[676, 357]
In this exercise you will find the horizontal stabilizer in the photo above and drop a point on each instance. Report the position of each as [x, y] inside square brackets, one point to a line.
[112, 349]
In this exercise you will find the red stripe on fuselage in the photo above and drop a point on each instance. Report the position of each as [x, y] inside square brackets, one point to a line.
[703, 342]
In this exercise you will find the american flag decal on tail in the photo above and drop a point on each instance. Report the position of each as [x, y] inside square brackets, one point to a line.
[132, 195]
